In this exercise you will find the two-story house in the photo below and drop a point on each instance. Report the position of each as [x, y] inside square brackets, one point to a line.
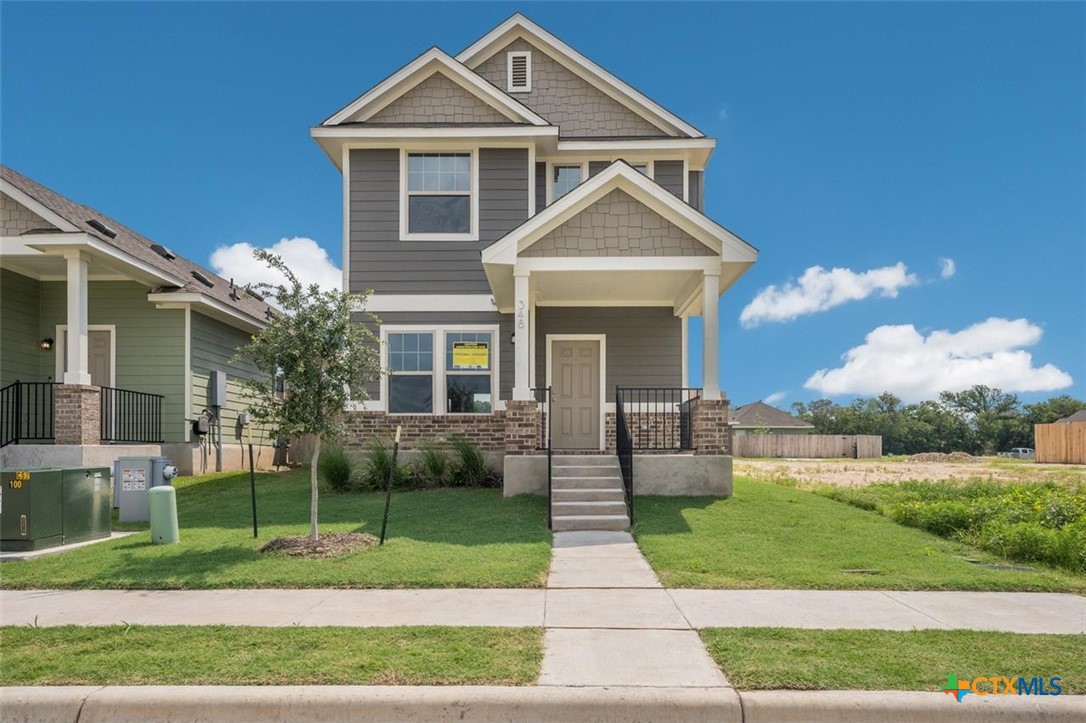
[526, 220]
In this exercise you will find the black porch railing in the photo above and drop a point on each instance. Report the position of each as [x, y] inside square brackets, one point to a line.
[129, 416]
[545, 398]
[659, 419]
[26, 412]
[624, 450]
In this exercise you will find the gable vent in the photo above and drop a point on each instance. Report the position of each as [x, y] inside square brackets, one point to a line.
[101, 228]
[202, 279]
[163, 252]
[520, 72]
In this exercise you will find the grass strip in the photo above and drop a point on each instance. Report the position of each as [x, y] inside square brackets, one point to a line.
[436, 539]
[228, 655]
[792, 659]
[771, 536]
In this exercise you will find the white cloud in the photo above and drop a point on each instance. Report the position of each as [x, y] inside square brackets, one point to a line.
[303, 256]
[818, 290]
[722, 114]
[775, 398]
[947, 268]
[901, 360]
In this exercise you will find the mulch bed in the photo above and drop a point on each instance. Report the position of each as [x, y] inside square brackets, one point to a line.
[330, 545]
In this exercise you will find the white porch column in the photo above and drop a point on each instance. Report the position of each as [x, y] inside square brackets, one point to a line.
[77, 344]
[710, 300]
[522, 382]
[686, 349]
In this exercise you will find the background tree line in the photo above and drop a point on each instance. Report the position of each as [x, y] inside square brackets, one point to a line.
[978, 420]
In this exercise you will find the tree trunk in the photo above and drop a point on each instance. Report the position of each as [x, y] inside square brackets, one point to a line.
[313, 488]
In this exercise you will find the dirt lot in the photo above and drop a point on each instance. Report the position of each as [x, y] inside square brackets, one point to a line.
[855, 472]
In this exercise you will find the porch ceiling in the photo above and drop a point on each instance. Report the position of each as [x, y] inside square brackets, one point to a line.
[612, 288]
[18, 255]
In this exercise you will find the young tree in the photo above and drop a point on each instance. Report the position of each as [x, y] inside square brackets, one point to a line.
[318, 355]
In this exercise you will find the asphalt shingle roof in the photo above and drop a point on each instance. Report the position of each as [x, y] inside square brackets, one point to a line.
[759, 414]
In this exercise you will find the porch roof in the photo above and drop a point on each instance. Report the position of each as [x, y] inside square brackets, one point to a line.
[618, 280]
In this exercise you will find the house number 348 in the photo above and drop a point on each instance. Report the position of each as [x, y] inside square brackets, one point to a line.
[522, 313]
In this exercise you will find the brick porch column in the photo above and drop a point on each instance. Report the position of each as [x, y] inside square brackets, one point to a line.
[522, 426]
[77, 414]
[709, 422]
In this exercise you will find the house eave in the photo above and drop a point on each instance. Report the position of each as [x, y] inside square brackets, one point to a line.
[207, 306]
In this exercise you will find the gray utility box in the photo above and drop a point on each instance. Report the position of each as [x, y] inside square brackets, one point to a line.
[132, 477]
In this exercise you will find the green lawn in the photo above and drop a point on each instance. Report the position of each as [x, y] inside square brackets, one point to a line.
[440, 538]
[221, 655]
[786, 658]
[771, 536]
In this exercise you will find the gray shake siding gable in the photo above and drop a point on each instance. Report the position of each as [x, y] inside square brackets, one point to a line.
[381, 261]
[437, 100]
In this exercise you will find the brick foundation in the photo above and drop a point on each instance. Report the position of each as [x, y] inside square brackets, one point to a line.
[485, 431]
[523, 427]
[712, 433]
[77, 414]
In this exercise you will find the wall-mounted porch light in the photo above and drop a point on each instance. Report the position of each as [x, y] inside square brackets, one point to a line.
[46, 344]
[513, 338]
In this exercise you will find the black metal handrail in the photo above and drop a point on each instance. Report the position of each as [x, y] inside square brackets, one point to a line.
[659, 418]
[624, 449]
[129, 416]
[26, 412]
[545, 398]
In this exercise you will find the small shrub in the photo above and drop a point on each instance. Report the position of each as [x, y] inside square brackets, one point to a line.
[947, 518]
[335, 468]
[470, 468]
[435, 467]
[379, 465]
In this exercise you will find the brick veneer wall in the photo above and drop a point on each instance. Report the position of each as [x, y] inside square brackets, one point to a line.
[712, 433]
[485, 431]
[77, 414]
[523, 427]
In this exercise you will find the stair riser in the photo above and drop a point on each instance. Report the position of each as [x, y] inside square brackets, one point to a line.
[591, 508]
[565, 524]
[593, 495]
[596, 471]
[585, 459]
[586, 483]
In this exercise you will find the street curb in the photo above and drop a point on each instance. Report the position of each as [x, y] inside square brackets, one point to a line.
[203, 704]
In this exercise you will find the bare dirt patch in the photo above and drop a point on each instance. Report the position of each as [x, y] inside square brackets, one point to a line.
[859, 472]
[331, 545]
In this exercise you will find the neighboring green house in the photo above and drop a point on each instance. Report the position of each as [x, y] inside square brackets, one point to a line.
[151, 328]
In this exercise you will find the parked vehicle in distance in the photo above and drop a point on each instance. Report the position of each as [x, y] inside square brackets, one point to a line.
[1019, 453]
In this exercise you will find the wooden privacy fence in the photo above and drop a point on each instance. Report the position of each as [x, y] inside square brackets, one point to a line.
[1061, 443]
[811, 446]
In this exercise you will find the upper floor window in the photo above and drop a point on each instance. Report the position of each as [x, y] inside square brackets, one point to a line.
[642, 168]
[566, 178]
[439, 193]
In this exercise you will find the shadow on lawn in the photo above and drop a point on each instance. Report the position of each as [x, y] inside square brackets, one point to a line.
[190, 567]
[664, 515]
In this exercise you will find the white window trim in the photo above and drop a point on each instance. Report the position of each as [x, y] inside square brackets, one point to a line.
[473, 193]
[562, 164]
[602, 339]
[649, 163]
[509, 71]
[62, 354]
[439, 372]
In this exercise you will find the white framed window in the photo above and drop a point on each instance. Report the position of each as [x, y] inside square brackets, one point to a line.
[519, 71]
[438, 195]
[564, 179]
[439, 370]
[642, 168]
[563, 176]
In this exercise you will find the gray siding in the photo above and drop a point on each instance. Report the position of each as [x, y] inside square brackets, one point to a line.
[380, 261]
[696, 189]
[439, 319]
[437, 100]
[644, 344]
[540, 186]
[213, 346]
[20, 298]
[595, 167]
[669, 174]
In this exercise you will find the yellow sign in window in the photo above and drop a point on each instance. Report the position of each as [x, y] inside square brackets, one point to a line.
[471, 355]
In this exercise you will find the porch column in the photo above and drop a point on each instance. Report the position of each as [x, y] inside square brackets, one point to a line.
[522, 383]
[686, 349]
[710, 301]
[77, 343]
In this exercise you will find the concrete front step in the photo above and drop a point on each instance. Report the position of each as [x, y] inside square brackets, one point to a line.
[586, 483]
[609, 494]
[562, 509]
[566, 523]
[585, 459]
[598, 470]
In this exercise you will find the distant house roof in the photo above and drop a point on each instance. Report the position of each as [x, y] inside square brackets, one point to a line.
[1079, 416]
[193, 279]
[760, 414]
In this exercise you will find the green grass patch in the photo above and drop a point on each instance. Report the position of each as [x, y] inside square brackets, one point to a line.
[769, 536]
[791, 659]
[224, 655]
[1033, 523]
[436, 538]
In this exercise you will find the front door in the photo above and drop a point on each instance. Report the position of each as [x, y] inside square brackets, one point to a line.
[99, 357]
[575, 376]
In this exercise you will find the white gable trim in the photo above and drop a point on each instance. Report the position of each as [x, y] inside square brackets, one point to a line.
[621, 176]
[422, 67]
[520, 26]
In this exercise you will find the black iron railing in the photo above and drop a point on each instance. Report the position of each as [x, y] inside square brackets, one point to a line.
[129, 416]
[26, 412]
[659, 419]
[624, 449]
[545, 398]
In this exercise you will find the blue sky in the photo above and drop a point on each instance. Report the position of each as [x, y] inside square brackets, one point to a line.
[855, 136]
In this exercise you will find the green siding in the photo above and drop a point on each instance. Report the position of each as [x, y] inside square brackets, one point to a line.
[213, 346]
[20, 297]
[150, 342]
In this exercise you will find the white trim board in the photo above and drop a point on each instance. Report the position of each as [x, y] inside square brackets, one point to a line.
[602, 339]
[378, 303]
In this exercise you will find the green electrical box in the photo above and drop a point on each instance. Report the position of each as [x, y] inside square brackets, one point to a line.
[42, 508]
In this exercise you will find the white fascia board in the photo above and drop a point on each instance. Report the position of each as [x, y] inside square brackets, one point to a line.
[649, 144]
[470, 132]
[478, 51]
[56, 242]
[379, 303]
[39, 208]
[431, 60]
[210, 307]
[538, 264]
